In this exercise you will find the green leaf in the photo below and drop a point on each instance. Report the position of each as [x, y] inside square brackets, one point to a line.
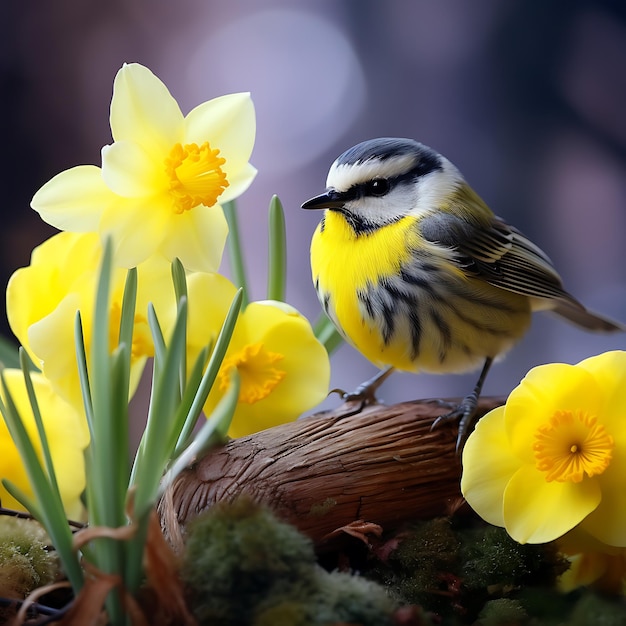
[235, 253]
[179, 279]
[215, 362]
[213, 433]
[108, 451]
[164, 399]
[83, 373]
[327, 334]
[277, 248]
[43, 439]
[9, 356]
[180, 288]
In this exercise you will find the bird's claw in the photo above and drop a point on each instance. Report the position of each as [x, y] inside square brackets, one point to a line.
[464, 412]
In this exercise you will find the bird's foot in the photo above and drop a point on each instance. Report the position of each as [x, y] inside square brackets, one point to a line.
[464, 412]
[365, 394]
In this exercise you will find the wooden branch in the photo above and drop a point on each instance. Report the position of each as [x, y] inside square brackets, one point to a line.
[383, 465]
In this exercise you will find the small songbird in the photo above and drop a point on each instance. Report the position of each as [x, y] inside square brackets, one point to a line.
[418, 274]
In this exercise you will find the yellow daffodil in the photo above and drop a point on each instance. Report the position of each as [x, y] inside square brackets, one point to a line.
[161, 179]
[554, 457]
[67, 434]
[284, 370]
[42, 300]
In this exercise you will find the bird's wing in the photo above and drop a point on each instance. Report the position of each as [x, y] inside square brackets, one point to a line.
[496, 253]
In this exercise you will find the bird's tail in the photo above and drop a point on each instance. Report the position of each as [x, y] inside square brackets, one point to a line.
[576, 313]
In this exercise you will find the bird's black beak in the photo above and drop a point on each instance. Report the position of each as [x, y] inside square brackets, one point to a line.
[330, 199]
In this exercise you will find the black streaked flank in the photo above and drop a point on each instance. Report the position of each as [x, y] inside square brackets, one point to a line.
[366, 299]
[444, 330]
[390, 322]
[326, 303]
[416, 332]
[419, 280]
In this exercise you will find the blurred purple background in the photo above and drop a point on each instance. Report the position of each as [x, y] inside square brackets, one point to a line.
[527, 98]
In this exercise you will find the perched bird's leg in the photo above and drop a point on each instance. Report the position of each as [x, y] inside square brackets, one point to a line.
[466, 409]
[365, 393]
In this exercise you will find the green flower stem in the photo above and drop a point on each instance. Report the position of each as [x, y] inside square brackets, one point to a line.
[235, 253]
[277, 250]
[327, 334]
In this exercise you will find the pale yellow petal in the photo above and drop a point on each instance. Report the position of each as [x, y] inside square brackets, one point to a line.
[228, 123]
[138, 227]
[238, 183]
[131, 171]
[488, 464]
[74, 199]
[197, 238]
[538, 511]
[143, 111]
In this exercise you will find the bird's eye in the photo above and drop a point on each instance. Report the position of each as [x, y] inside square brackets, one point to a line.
[377, 187]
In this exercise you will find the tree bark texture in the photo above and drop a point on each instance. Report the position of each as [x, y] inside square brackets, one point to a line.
[382, 465]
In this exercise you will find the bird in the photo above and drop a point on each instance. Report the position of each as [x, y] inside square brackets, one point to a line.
[418, 274]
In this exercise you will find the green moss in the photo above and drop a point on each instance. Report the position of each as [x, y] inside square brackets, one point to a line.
[503, 612]
[235, 554]
[490, 558]
[421, 569]
[244, 566]
[328, 598]
[25, 562]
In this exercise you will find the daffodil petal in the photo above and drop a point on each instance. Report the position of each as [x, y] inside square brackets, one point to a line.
[488, 447]
[33, 292]
[609, 371]
[607, 523]
[544, 391]
[228, 123]
[67, 434]
[308, 366]
[238, 183]
[538, 511]
[136, 231]
[74, 199]
[50, 337]
[130, 171]
[143, 111]
[197, 238]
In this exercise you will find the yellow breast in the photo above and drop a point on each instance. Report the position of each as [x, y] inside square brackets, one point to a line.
[344, 265]
[405, 302]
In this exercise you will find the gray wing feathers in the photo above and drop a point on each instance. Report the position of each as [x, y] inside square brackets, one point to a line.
[503, 257]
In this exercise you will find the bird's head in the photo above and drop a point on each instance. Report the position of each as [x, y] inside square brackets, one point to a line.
[380, 181]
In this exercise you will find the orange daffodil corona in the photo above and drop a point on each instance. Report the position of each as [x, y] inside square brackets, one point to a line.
[553, 458]
[284, 370]
[163, 176]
